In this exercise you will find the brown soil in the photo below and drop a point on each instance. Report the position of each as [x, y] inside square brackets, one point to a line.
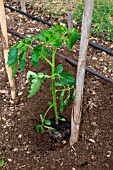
[23, 147]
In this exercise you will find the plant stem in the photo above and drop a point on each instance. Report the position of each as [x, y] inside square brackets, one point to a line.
[53, 85]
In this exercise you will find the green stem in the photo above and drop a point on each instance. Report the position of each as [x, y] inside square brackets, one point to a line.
[47, 111]
[47, 61]
[53, 85]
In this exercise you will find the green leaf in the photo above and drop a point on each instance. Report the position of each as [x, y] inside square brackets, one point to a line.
[59, 28]
[22, 47]
[66, 79]
[48, 122]
[49, 103]
[44, 52]
[59, 69]
[62, 95]
[13, 55]
[38, 127]
[36, 84]
[31, 74]
[46, 33]
[35, 58]
[72, 38]
[41, 37]
[62, 119]
[27, 40]
[64, 103]
[56, 42]
[22, 61]
[1, 162]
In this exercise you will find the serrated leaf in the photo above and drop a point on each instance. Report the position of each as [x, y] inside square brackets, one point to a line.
[73, 38]
[41, 37]
[48, 122]
[13, 55]
[59, 69]
[27, 40]
[46, 33]
[66, 79]
[31, 74]
[35, 58]
[56, 43]
[62, 95]
[44, 52]
[36, 84]
[59, 28]
[64, 103]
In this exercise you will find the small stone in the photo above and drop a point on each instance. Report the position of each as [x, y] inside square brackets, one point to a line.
[111, 46]
[53, 167]
[94, 124]
[93, 157]
[20, 136]
[3, 91]
[20, 93]
[10, 160]
[91, 140]
[11, 101]
[15, 149]
[64, 142]
[94, 58]
[101, 59]
[104, 53]
[105, 68]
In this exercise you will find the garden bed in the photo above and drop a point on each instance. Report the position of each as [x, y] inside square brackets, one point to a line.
[22, 147]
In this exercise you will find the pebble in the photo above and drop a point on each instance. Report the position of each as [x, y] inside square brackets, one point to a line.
[10, 160]
[94, 58]
[94, 124]
[64, 142]
[15, 149]
[20, 93]
[101, 59]
[73, 169]
[104, 53]
[93, 157]
[53, 167]
[91, 140]
[20, 136]
[105, 68]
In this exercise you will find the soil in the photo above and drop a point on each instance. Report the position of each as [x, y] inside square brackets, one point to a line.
[22, 147]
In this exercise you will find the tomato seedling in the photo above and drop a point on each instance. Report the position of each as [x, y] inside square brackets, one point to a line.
[64, 82]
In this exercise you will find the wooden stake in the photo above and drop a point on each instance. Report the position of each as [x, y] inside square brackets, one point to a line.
[6, 47]
[76, 114]
[70, 14]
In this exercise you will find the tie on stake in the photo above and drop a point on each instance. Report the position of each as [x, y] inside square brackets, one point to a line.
[49, 24]
[70, 61]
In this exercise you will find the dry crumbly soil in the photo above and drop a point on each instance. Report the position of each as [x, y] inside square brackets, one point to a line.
[22, 146]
